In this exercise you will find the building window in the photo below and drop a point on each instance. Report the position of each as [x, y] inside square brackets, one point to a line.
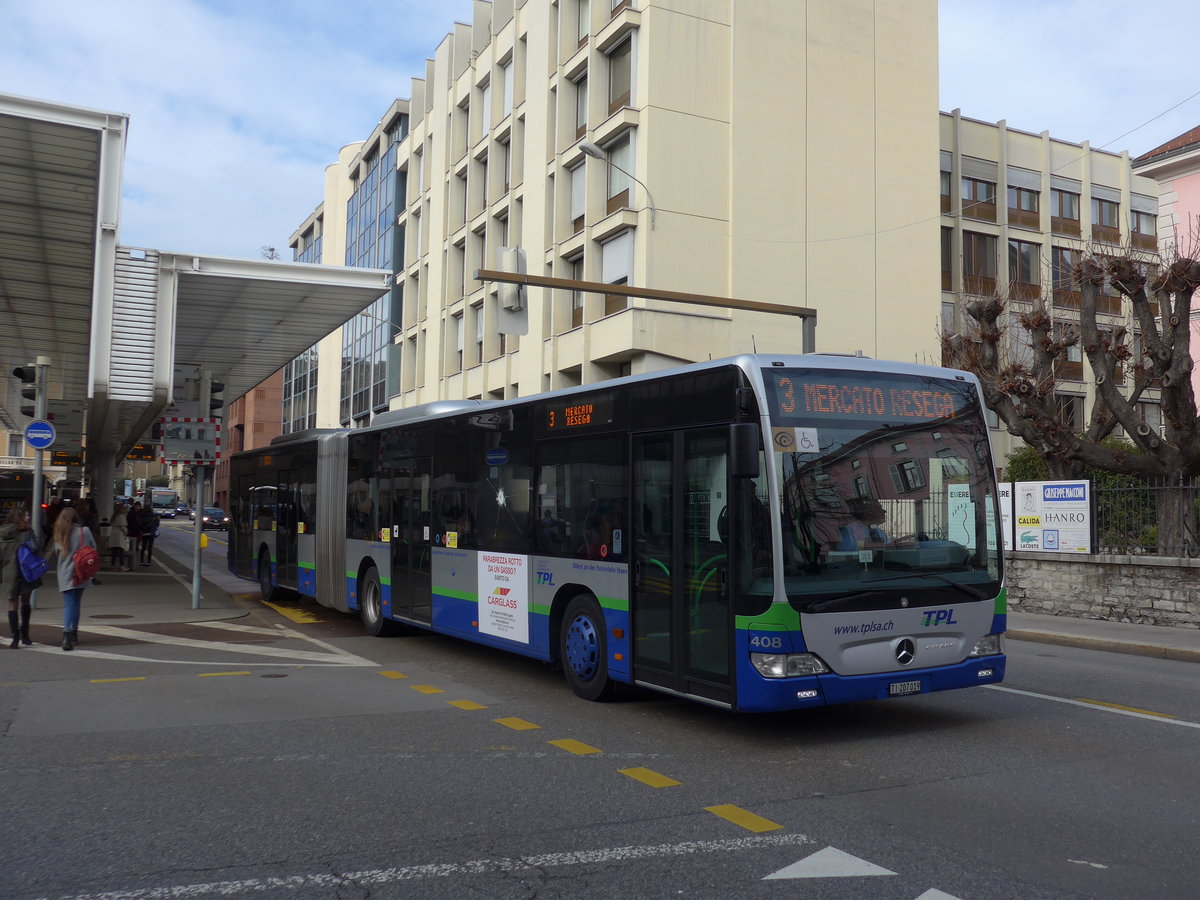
[506, 84]
[1070, 364]
[620, 154]
[583, 23]
[620, 76]
[581, 105]
[1064, 212]
[16, 445]
[979, 263]
[907, 476]
[456, 337]
[1070, 412]
[616, 265]
[944, 187]
[1151, 414]
[979, 199]
[947, 270]
[576, 273]
[1144, 229]
[1023, 269]
[1062, 267]
[485, 107]
[1105, 220]
[578, 197]
[477, 315]
[1023, 208]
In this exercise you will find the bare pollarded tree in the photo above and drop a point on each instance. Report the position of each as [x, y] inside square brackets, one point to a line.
[1019, 351]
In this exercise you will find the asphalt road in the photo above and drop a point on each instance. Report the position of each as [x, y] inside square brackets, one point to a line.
[268, 758]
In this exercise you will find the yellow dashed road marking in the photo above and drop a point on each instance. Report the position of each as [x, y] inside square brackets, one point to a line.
[387, 674]
[218, 674]
[572, 746]
[739, 816]
[426, 689]
[1144, 712]
[649, 776]
[466, 704]
[115, 680]
[516, 724]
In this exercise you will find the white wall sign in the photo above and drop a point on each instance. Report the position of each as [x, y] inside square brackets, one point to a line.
[504, 596]
[1053, 515]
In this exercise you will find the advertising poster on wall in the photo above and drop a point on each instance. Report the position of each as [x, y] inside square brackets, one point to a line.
[504, 596]
[1006, 513]
[1053, 515]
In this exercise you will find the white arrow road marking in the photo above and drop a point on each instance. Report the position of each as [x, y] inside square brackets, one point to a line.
[830, 863]
[935, 894]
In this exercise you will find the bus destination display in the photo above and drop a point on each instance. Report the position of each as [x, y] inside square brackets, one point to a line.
[821, 394]
[578, 413]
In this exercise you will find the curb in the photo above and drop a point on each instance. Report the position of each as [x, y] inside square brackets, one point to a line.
[1181, 654]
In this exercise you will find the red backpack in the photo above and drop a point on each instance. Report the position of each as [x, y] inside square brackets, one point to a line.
[85, 561]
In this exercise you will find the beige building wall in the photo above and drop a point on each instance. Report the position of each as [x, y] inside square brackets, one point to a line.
[786, 146]
[975, 152]
[782, 151]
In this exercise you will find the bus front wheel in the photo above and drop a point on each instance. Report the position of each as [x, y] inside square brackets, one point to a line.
[370, 605]
[583, 649]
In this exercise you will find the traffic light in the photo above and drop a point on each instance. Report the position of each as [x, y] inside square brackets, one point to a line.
[28, 376]
[216, 402]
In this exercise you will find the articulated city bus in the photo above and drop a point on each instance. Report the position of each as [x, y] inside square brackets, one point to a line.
[757, 533]
[16, 490]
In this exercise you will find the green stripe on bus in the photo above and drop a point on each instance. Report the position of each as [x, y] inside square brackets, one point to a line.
[539, 609]
[779, 614]
[617, 603]
[1002, 602]
[305, 565]
[469, 596]
[354, 575]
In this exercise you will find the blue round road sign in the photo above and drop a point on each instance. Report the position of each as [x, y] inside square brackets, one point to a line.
[39, 434]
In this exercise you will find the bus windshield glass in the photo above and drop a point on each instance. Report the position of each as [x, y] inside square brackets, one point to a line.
[888, 498]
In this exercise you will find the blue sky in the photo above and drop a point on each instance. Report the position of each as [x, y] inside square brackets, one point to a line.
[237, 106]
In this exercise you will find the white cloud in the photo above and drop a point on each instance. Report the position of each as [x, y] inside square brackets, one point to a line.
[1085, 70]
[236, 108]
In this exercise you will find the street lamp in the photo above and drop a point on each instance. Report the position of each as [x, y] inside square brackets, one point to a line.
[597, 152]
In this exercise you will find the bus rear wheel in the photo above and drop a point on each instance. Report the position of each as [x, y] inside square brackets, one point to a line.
[370, 606]
[583, 649]
[264, 577]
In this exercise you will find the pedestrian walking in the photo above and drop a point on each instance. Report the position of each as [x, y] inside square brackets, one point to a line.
[133, 528]
[16, 530]
[149, 533]
[69, 536]
[89, 517]
[118, 535]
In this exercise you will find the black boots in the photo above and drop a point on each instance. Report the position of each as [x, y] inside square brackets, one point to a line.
[26, 611]
[67, 643]
[15, 628]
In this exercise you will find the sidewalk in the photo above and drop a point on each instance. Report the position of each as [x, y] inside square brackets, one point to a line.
[159, 595]
[1161, 641]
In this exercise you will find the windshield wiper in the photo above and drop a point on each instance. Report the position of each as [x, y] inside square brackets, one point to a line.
[973, 593]
[833, 602]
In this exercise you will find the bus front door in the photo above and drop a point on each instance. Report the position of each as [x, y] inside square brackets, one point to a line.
[412, 584]
[682, 623]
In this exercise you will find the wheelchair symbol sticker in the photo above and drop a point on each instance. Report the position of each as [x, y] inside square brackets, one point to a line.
[795, 440]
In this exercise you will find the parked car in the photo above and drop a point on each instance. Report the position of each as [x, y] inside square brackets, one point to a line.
[183, 509]
[212, 517]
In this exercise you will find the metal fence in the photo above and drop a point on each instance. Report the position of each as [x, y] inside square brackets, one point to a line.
[1148, 517]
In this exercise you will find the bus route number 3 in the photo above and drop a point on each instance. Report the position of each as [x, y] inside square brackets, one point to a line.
[766, 641]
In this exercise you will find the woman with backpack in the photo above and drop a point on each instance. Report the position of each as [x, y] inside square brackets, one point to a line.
[75, 568]
[15, 531]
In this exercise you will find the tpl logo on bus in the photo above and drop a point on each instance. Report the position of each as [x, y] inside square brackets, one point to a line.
[545, 578]
[938, 617]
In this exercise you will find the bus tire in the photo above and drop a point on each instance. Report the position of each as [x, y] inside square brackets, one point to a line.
[583, 649]
[264, 577]
[370, 606]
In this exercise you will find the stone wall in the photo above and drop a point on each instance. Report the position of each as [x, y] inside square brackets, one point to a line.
[1138, 589]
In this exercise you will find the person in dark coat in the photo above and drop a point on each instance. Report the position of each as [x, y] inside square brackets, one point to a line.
[15, 531]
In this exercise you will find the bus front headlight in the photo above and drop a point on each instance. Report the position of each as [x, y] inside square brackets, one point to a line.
[788, 665]
[988, 645]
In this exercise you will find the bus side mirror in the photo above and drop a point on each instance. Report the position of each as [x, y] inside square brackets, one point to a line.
[743, 450]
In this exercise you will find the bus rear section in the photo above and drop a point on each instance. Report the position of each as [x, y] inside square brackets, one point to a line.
[890, 548]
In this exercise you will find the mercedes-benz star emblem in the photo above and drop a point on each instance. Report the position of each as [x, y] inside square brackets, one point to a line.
[906, 651]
